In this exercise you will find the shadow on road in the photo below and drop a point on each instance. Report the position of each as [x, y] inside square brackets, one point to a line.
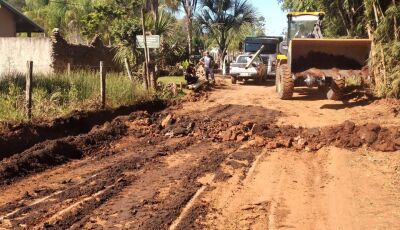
[308, 94]
[351, 100]
[268, 83]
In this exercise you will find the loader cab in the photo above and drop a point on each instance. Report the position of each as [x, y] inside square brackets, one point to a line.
[304, 25]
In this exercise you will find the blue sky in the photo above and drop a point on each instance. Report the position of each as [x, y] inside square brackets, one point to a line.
[276, 20]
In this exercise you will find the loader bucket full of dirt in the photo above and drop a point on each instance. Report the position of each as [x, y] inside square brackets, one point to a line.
[330, 57]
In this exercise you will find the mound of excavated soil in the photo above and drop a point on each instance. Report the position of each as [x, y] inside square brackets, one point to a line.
[19, 137]
[194, 96]
[324, 61]
[55, 152]
[243, 123]
[346, 135]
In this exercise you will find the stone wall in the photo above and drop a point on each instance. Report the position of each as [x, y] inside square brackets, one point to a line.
[81, 56]
[53, 55]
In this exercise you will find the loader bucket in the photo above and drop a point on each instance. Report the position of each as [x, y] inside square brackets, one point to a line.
[329, 54]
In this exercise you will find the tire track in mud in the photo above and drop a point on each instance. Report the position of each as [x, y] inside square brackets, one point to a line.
[73, 202]
[156, 200]
[195, 208]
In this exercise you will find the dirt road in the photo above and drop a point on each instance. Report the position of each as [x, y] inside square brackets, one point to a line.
[235, 157]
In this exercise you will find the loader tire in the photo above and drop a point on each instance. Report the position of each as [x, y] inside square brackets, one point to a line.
[284, 82]
[233, 80]
[336, 91]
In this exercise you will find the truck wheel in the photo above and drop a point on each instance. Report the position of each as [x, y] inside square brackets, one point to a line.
[284, 82]
[336, 91]
[233, 80]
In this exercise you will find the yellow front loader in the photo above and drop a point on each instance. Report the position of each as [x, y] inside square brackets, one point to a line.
[310, 60]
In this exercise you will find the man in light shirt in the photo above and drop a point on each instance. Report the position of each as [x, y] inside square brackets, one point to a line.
[207, 61]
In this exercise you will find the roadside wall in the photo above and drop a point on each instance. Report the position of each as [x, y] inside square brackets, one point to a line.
[16, 51]
[81, 56]
[53, 55]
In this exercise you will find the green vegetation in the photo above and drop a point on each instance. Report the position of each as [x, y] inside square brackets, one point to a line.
[223, 19]
[172, 79]
[375, 19]
[221, 23]
[59, 94]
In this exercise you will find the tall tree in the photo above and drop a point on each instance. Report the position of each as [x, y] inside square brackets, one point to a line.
[65, 15]
[189, 7]
[221, 18]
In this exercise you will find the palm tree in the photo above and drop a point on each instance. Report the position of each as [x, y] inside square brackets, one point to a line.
[190, 7]
[146, 6]
[221, 18]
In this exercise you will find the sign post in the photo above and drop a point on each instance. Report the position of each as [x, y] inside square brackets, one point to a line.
[148, 42]
[152, 41]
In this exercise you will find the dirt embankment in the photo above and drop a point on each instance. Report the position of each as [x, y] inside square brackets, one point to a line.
[56, 152]
[237, 123]
[19, 137]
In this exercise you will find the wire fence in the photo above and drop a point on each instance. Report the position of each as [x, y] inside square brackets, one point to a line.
[69, 82]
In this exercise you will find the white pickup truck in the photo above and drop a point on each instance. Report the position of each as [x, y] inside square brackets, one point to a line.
[239, 72]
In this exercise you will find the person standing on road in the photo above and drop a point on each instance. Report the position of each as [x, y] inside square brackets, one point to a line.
[207, 61]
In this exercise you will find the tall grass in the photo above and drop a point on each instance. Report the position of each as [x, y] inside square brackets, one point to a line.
[60, 94]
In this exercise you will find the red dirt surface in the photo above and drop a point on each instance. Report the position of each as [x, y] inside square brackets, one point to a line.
[234, 157]
[18, 137]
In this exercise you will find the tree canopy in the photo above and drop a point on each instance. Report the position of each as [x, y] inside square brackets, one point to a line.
[222, 18]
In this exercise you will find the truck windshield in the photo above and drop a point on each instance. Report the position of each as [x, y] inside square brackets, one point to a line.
[246, 59]
[243, 59]
[252, 47]
[302, 26]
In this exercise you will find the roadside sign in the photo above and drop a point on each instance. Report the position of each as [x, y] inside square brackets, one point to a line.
[153, 41]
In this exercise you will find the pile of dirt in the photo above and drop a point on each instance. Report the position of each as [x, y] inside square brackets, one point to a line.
[322, 60]
[194, 96]
[392, 105]
[224, 122]
[233, 123]
[345, 135]
[55, 152]
[19, 137]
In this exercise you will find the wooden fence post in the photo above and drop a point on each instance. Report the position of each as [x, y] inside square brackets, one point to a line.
[127, 68]
[28, 89]
[68, 69]
[102, 85]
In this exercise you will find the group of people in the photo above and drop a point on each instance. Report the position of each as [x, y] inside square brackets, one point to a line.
[207, 61]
